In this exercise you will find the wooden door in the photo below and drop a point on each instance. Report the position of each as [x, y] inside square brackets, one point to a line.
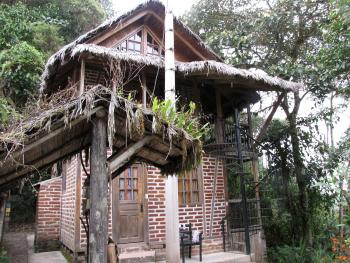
[128, 225]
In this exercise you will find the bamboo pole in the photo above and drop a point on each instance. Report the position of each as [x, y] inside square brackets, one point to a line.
[171, 183]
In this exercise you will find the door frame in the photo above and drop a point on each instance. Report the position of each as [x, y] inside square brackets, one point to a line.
[115, 206]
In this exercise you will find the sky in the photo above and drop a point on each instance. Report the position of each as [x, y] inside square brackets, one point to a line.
[180, 6]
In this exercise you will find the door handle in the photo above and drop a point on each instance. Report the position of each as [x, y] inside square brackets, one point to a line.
[141, 208]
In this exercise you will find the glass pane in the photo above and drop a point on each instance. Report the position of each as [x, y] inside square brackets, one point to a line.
[138, 36]
[123, 45]
[131, 45]
[194, 185]
[180, 185]
[135, 184]
[137, 47]
[181, 201]
[135, 195]
[121, 195]
[135, 172]
[129, 172]
[149, 39]
[195, 196]
[155, 49]
[129, 196]
[188, 198]
[129, 184]
[121, 183]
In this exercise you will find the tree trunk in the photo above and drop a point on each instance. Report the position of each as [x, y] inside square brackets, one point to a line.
[299, 169]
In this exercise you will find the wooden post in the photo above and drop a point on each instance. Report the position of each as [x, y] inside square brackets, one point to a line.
[171, 184]
[219, 127]
[98, 236]
[144, 89]
[82, 78]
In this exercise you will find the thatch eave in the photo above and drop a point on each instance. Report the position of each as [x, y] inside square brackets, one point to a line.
[64, 130]
[249, 78]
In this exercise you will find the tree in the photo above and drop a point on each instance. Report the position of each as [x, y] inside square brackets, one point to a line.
[20, 72]
[283, 38]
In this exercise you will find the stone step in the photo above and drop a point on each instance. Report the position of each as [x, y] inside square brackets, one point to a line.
[132, 247]
[137, 257]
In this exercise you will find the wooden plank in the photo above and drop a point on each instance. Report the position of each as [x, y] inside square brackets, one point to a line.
[117, 160]
[98, 235]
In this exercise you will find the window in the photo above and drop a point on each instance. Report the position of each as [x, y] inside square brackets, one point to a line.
[189, 188]
[152, 46]
[141, 42]
[132, 44]
[128, 188]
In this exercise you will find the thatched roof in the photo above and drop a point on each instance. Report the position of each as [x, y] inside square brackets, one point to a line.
[63, 128]
[257, 79]
[151, 4]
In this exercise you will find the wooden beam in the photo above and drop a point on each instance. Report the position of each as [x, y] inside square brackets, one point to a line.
[189, 45]
[98, 225]
[35, 142]
[120, 25]
[82, 78]
[219, 117]
[268, 120]
[70, 147]
[118, 160]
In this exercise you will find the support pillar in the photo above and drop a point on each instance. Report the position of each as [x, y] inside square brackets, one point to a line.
[98, 234]
[172, 220]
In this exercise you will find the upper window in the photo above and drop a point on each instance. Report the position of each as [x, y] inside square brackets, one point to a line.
[133, 43]
[136, 42]
[189, 188]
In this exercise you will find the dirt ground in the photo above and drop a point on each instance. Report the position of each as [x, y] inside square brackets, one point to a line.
[16, 246]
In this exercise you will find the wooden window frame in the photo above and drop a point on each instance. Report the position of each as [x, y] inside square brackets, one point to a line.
[181, 179]
[144, 47]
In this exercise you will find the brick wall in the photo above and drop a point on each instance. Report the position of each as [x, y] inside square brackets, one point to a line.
[68, 204]
[48, 215]
[199, 215]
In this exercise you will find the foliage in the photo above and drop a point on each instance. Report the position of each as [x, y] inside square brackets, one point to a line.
[304, 41]
[20, 72]
[6, 110]
[15, 23]
[300, 253]
[46, 38]
[23, 203]
[334, 56]
[3, 256]
[184, 119]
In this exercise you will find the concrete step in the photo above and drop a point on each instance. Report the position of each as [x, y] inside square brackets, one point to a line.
[221, 257]
[132, 247]
[138, 257]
